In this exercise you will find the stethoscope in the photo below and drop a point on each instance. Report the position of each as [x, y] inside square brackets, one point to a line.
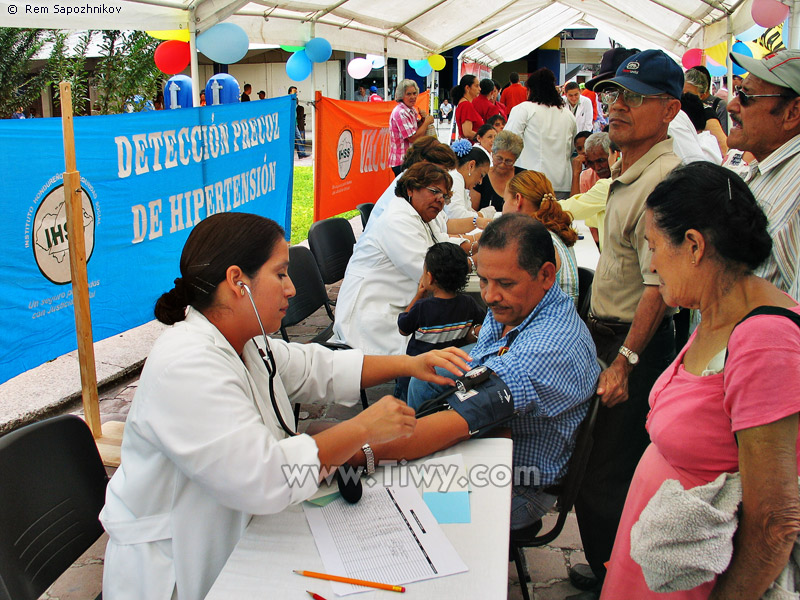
[269, 363]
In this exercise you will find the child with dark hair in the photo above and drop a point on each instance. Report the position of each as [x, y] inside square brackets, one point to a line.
[440, 316]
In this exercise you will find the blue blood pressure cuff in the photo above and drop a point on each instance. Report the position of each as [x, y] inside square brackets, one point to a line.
[479, 396]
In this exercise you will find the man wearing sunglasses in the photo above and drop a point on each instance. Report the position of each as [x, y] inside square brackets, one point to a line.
[630, 324]
[765, 120]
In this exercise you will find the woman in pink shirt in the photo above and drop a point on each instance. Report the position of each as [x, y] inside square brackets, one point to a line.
[730, 401]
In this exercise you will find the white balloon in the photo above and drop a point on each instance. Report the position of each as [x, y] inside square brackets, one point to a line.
[359, 68]
[376, 60]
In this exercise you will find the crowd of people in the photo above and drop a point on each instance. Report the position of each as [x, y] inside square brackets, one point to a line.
[641, 154]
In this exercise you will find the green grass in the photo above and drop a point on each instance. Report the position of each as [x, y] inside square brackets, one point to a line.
[303, 204]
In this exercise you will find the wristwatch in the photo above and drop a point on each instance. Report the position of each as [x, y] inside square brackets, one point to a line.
[629, 354]
[370, 456]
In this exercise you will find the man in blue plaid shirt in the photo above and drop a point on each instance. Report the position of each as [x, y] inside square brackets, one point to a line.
[533, 339]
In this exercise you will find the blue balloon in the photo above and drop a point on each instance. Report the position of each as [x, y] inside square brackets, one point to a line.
[298, 67]
[716, 70]
[416, 64]
[751, 34]
[224, 43]
[318, 50]
[178, 92]
[741, 48]
[424, 69]
[222, 88]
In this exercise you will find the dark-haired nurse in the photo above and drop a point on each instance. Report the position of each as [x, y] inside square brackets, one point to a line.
[204, 447]
[708, 414]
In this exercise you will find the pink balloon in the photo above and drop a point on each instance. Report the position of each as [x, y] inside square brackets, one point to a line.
[692, 58]
[769, 13]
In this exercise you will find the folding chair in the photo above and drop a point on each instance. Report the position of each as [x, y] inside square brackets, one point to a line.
[53, 488]
[585, 278]
[331, 242]
[365, 208]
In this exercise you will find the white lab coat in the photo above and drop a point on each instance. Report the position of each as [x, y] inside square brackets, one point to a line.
[685, 142]
[460, 206]
[382, 278]
[584, 113]
[547, 134]
[203, 452]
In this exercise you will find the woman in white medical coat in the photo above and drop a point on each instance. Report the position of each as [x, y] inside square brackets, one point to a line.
[203, 448]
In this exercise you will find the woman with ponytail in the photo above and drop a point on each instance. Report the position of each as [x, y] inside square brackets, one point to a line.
[468, 120]
[530, 192]
[473, 165]
[207, 444]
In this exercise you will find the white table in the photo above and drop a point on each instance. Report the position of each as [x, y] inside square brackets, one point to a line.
[586, 253]
[273, 545]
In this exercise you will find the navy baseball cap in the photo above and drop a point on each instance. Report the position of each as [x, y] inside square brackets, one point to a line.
[373, 89]
[650, 73]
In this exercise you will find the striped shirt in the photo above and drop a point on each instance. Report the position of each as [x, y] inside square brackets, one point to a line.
[549, 364]
[402, 125]
[775, 182]
[567, 276]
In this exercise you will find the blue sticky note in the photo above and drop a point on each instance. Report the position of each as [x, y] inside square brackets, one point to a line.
[448, 507]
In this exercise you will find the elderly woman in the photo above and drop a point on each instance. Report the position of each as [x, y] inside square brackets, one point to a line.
[729, 402]
[531, 193]
[384, 271]
[505, 152]
[468, 120]
[547, 129]
[405, 126]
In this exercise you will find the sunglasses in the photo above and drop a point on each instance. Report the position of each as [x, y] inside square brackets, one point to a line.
[746, 99]
[632, 99]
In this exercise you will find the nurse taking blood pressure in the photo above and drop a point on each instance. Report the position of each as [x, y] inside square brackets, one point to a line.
[205, 446]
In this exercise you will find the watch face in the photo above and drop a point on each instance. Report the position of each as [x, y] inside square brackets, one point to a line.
[633, 358]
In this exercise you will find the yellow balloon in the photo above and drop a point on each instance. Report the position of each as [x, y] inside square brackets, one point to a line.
[174, 34]
[437, 62]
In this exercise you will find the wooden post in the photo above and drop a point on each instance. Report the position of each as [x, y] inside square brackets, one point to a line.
[77, 266]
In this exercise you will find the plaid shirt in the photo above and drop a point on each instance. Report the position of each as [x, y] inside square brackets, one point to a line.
[402, 125]
[551, 369]
[775, 182]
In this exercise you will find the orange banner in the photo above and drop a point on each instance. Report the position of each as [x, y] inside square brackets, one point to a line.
[351, 153]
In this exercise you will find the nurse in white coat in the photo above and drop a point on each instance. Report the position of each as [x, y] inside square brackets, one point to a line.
[473, 165]
[204, 448]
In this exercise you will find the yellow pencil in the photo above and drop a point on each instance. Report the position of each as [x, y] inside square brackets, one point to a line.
[372, 584]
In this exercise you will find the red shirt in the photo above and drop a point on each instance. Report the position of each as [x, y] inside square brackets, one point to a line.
[593, 97]
[514, 94]
[485, 108]
[466, 112]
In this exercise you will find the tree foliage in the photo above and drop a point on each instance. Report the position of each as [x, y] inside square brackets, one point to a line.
[70, 66]
[126, 70]
[20, 85]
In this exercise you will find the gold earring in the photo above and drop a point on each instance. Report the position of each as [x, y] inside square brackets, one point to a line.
[694, 262]
[242, 291]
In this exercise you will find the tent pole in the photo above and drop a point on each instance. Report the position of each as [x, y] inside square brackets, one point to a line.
[729, 63]
[194, 68]
[314, 140]
[794, 25]
[386, 69]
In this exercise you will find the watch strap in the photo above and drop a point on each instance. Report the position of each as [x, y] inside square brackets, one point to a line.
[370, 456]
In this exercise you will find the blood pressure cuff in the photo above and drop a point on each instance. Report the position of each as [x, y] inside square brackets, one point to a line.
[482, 400]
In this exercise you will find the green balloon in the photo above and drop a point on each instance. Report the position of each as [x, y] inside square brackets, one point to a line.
[292, 48]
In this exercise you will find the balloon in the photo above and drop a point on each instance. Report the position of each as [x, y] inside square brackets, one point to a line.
[178, 92]
[224, 43]
[751, 34]
[182, 35]
[298, 67]
[377, 61]
[437, 62]
[741, 48]
[222, 88]
[769, 13]
[292, 48]
[692, 58]
[172, 56]
[716, 69]
[359, 68]
[424, 69]
[318, 50]
[416, 64]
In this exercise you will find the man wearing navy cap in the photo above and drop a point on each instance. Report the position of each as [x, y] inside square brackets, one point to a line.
[374, 96]
[630, 324]
[765, 120]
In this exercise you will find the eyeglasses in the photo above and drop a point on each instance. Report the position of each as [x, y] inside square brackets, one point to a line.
[745, 99]
[632, 99]
[504, 161]
[437, 193]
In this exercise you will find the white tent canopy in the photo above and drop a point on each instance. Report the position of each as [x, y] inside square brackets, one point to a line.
[410, 29]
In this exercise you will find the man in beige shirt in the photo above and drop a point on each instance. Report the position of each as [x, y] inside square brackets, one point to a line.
[629, 321]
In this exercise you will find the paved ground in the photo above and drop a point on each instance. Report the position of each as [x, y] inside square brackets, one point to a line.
[54, 388]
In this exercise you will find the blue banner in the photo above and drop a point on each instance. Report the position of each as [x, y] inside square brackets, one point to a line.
[147, 179]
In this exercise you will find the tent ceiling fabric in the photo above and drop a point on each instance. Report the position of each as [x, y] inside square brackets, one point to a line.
[415, 28]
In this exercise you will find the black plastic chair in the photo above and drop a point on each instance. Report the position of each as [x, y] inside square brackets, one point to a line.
[53, 488]
[585, 278]
[310, 295]
[310, 292]
[331, 242]
[365, 209]
[527, 537]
